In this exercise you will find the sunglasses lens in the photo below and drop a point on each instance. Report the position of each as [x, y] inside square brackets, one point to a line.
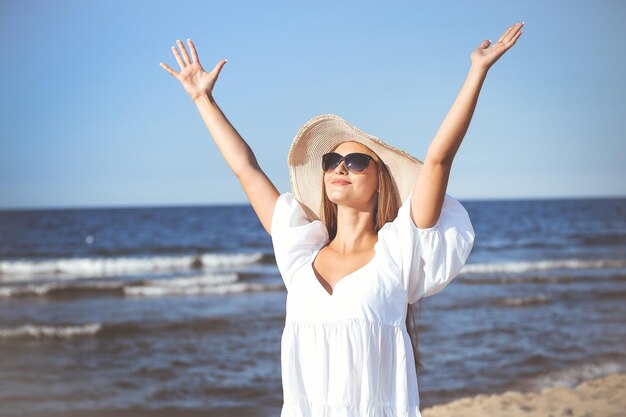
[357, 162]
[330, 161]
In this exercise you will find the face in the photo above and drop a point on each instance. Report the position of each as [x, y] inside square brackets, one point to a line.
[349, 188]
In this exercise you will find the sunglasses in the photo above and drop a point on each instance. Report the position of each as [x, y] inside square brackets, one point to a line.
[354, 162]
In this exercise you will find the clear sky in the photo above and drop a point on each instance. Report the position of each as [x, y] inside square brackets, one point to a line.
[88, 117]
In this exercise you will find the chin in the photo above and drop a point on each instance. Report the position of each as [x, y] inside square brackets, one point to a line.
[339, 196]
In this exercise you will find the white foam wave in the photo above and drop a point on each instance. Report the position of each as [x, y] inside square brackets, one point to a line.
[523, 301]
[171, 283]
[520, 267]
[43, 289]
[103, 267]
[195, 285]
[573, 376]
[238, 287]
[203, 280]
[41, 331]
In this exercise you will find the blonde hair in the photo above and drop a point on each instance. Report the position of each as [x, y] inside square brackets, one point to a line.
[386, 210]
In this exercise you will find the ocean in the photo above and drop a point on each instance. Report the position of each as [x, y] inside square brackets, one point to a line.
[179, 310]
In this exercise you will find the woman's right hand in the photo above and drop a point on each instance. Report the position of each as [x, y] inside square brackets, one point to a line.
[195, 80]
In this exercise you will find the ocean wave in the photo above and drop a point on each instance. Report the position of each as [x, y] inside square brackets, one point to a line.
[68, 268]
[201, 284]
[204, 324]
[61, 289]
[522, 301]
[50, 331]
[608, 294]
[199, 289]
[536, 279]
[570, 377]
[123, 329]
[545, 265]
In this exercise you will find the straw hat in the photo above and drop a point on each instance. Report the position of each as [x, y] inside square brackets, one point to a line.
[319, 136]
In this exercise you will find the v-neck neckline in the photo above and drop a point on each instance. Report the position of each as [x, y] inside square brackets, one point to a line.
[319, 284]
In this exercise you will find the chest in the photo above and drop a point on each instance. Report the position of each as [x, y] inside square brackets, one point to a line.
[330, 268]
[371, 292]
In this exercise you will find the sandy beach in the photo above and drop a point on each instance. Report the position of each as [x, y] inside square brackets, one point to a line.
[600, 397]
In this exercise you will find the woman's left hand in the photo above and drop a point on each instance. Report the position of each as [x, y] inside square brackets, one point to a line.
[484, 57]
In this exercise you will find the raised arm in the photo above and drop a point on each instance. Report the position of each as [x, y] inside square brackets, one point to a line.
[199, 85]
[430, 188]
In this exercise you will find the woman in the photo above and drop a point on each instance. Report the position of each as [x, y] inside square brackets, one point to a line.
[360, 238]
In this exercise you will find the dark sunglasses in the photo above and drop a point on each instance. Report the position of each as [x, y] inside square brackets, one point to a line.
[354, 162]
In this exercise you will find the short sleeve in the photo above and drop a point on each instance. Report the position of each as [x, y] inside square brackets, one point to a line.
[428, 258]
[294, 237]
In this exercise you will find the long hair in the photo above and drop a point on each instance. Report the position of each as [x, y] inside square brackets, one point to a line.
[386, 210]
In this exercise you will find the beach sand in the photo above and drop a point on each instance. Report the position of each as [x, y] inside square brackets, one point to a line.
[600, 397]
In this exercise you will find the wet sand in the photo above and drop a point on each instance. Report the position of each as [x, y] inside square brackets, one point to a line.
[600, 397]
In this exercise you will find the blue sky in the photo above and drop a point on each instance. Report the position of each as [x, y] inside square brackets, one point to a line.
[88, 118]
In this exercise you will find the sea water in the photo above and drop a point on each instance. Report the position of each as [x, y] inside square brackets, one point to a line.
[179, 310]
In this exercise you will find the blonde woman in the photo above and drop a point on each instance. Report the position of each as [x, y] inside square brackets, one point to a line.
[366, 231]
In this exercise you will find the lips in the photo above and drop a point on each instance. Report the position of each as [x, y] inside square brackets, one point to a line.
[340, 182]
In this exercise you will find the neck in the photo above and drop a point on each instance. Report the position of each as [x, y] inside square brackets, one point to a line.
[355, 231]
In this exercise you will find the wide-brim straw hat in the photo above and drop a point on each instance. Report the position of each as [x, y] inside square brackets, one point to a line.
[319, 136]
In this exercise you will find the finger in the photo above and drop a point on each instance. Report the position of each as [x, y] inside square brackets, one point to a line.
[515, 31]
[218, 67]
[178, 58]
[505, 33]
[185, 54]
[192, 48]
[168, 69]
[485, 44]
[515, 38]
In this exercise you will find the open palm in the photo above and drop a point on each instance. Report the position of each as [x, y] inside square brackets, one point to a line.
[194, 79]
[484, 57]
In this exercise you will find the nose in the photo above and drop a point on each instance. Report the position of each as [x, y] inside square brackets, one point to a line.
[341, 168]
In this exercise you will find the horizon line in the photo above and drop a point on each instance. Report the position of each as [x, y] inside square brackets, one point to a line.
[247, 203]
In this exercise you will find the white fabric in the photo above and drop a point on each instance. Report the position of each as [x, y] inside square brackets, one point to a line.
[349, 354]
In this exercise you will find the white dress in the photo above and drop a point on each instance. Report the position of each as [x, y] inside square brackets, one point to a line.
[349, 354]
